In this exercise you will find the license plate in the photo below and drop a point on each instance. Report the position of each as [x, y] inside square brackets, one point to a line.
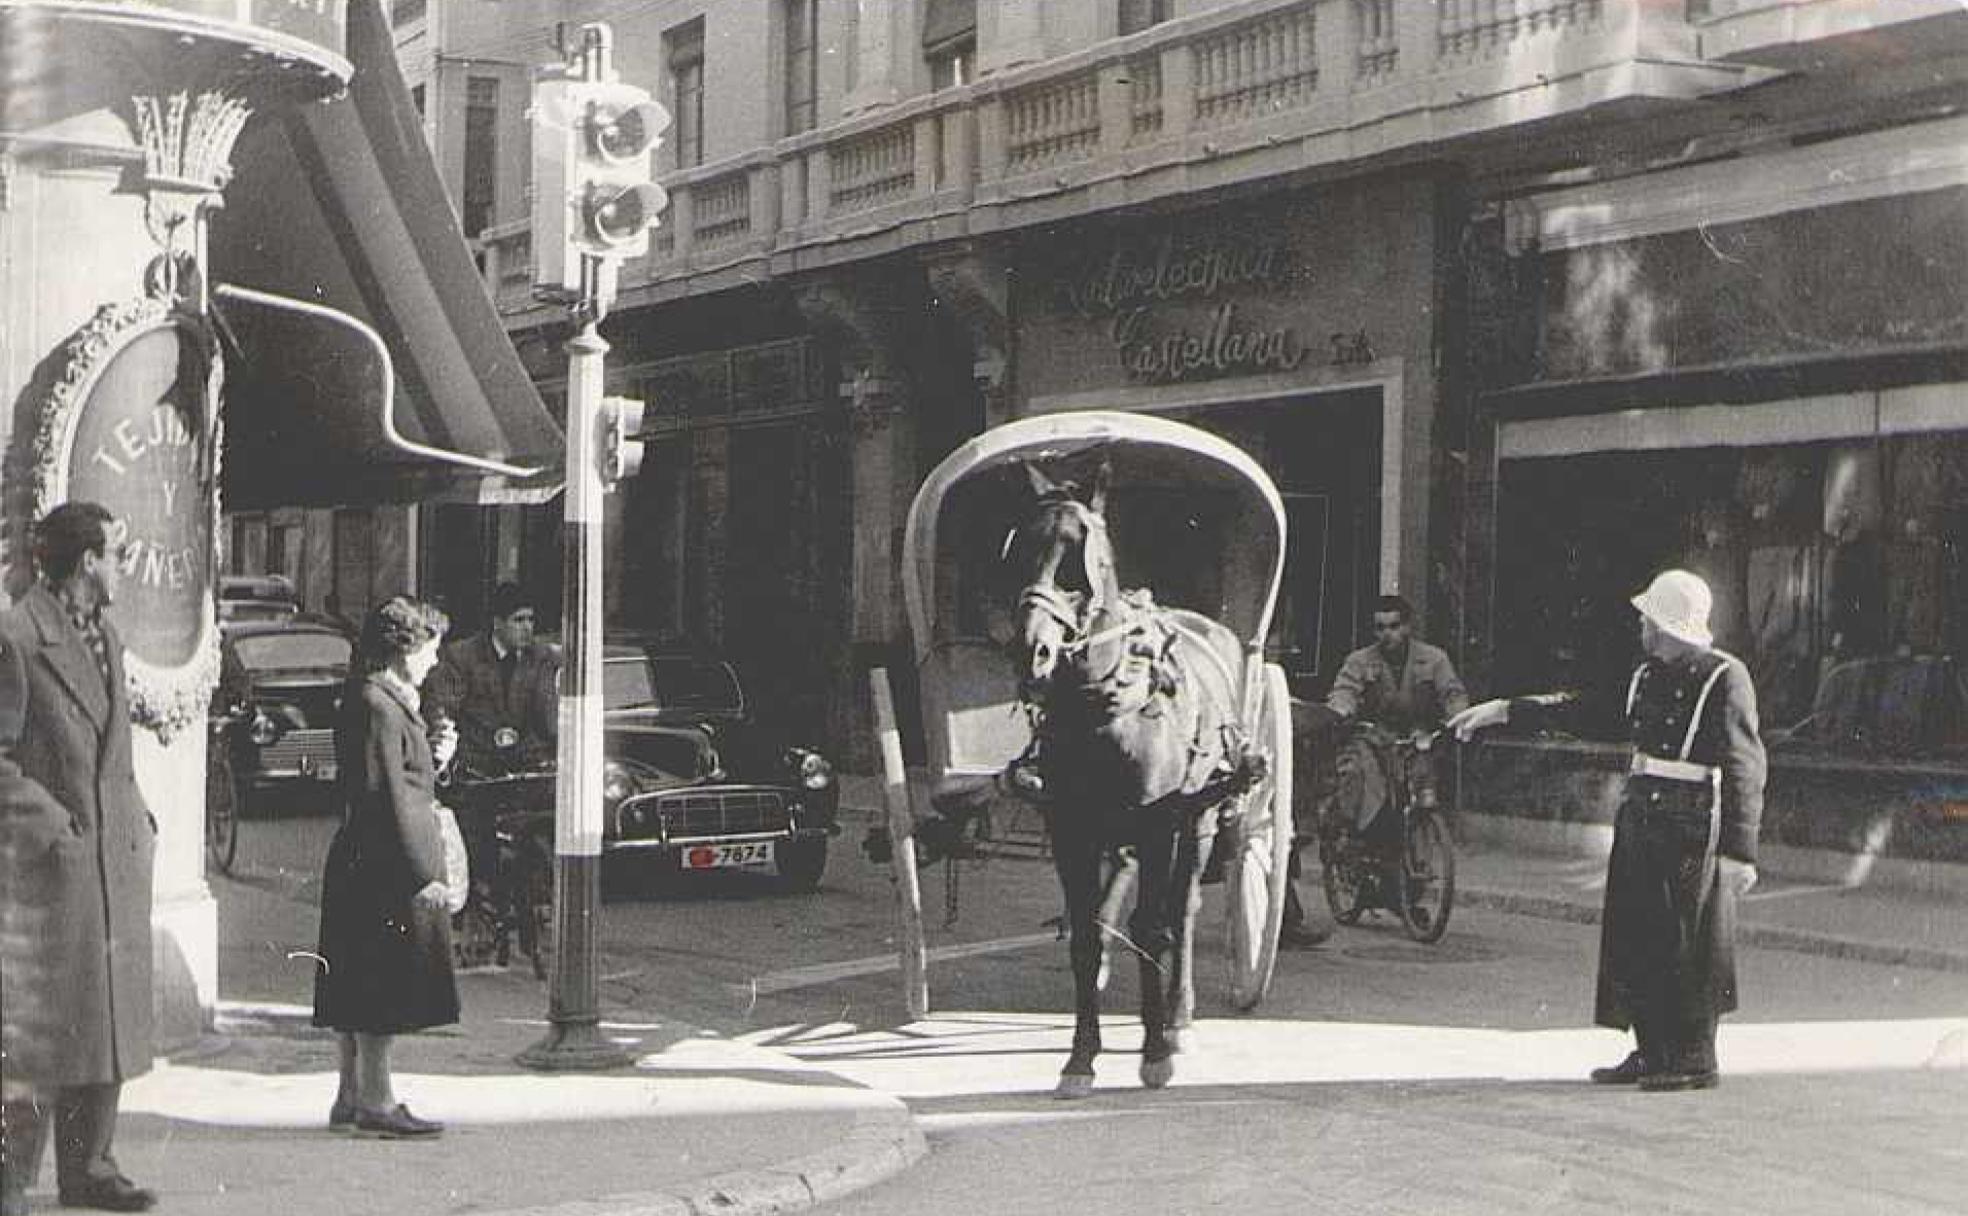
[727, 856]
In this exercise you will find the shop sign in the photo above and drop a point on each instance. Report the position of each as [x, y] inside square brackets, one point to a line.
[1147, 295]
[129, 426]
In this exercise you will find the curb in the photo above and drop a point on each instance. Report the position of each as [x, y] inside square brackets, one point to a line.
[878, 1147]
[1772, 937]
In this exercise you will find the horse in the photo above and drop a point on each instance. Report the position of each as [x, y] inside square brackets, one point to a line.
[1138, 740]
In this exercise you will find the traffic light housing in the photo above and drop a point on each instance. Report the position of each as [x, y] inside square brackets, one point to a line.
[621, 450]
[594, 146]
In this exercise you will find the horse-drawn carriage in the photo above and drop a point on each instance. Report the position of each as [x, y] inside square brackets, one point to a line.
[1089, 597]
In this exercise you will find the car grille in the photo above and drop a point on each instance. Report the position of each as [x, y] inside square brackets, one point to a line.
[696, 814]
[297, 751]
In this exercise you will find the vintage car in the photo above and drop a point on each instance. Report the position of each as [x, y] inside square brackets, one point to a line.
[693, 779]
[273, 714]
[256, 597]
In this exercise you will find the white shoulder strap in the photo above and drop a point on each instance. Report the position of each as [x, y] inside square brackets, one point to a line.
[1701, 702]
[1633, 688]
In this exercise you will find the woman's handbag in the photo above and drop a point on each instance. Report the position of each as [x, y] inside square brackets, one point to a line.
[457, 862]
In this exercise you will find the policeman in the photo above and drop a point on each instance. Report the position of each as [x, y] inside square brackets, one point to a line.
[1684, 840]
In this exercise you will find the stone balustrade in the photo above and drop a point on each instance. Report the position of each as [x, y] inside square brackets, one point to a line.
[1336, 78]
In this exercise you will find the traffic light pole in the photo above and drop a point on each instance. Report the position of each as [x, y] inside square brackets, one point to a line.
[574, 1039]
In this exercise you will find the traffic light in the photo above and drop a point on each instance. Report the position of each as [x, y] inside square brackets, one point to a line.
[621, 451]
[594, 143]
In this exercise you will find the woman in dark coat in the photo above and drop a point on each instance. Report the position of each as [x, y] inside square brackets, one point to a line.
[385, 934]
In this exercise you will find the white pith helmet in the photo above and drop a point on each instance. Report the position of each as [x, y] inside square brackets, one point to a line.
[1678, 602]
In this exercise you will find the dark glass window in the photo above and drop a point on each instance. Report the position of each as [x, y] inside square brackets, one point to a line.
[685, 45]
[802, 64]
[949, 38]
[477, 207]
[1138, 15]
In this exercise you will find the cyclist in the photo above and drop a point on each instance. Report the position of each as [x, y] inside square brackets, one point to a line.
[501, 690]
[1403, 685]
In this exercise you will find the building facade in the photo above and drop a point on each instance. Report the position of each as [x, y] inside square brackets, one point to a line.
[1518, 300]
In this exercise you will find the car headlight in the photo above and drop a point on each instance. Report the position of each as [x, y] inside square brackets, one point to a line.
[263, 730]
[617, 782]
[814, 771]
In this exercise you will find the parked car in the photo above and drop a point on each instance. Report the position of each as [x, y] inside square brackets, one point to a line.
[273, 714]
[693, 778]
[256, 597]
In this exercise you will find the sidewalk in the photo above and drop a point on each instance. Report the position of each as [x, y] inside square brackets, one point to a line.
[1864, 921]
[700, 1124]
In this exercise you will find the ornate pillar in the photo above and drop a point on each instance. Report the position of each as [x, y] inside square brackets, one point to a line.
[118, 137]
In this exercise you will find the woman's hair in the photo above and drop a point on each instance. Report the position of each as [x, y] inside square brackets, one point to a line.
[396, 627]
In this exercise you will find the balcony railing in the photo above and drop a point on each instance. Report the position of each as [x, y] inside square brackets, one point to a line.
[1329, 76]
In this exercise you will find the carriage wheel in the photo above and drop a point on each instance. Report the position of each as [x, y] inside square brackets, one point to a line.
[1257, 873]
[1428, 878]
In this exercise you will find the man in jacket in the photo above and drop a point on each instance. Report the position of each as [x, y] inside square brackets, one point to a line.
[1684, 840]
[500, 688]
[76, 848]
[1401, 684]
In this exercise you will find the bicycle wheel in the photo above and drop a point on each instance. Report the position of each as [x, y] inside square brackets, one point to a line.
[1340, 875]
[221, 815]
[535, 911]
[1428, 878]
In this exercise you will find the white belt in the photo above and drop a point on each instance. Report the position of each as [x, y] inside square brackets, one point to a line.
[1672, 770]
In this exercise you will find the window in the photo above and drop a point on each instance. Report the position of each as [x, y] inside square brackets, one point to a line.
[1834, 566]
[949, 35]
[1138, 15]
[685, 47]
[476, 208]
[802, 64]
[417, 99]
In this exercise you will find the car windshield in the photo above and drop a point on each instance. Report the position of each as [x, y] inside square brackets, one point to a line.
[646, 682]
[292, 651]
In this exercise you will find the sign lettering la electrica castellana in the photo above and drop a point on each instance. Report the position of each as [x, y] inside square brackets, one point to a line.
[1142, 291]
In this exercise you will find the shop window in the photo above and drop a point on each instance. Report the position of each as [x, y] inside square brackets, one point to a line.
[1836, 568]
[684, 51]
[949, 39]
[478, 204]
[1138, 15]
[802, 27]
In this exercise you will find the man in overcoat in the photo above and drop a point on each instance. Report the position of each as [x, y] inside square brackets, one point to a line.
[1684, 840]
[76, 850]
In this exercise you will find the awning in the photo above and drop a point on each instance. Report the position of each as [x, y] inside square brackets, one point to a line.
[338, 204]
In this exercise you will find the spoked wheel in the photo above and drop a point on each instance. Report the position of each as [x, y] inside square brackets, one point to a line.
[1428, 878]
[1340, 874]
[221, 815]
[1257, 873]
[535, 915]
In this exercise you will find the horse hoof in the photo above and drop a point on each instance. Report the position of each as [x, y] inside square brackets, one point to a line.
[1073, 1086]
[1157, 1073]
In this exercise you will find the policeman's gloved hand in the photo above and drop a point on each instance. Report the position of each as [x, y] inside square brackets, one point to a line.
[1478, 717]
[1739, 874]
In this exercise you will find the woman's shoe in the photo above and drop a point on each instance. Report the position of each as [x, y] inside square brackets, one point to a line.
[341, 1117]
[397, 1123]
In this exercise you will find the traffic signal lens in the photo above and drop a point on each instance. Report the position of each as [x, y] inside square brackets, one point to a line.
[620, 214]
[627, 133]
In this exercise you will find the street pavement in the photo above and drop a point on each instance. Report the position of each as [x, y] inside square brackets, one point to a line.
[793, 1118]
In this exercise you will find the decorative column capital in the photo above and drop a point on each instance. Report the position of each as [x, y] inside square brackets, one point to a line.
[187, 141]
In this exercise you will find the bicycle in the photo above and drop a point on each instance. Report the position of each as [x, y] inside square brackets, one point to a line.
[1404, 860]
[221, 797]
[511, 900]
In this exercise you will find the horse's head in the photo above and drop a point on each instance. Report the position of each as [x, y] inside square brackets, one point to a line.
[1065, 564]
